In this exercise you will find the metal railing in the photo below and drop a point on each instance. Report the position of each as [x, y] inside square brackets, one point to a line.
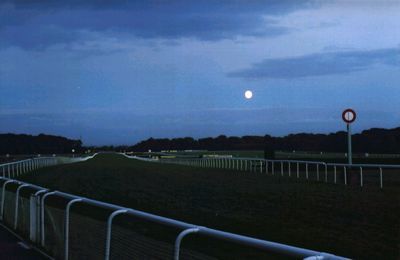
[15, 169]
[355, 174]
[38, 220]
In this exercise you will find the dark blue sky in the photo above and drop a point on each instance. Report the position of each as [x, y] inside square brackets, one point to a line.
[116, 72]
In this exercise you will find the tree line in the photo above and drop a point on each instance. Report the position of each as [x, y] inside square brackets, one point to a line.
[375, 140]
[41, 144]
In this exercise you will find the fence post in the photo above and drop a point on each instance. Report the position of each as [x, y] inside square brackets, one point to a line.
[298, 170]
[326, 172]
[307, 171]
[17, 204]
[109, 231]
[381, 178]
[289, 169]
[178, 240]
[345, 175]
[35, 215]
[66, 227]
[281, 168]
[273, 167]
[361, 176]
[3, 197]
[334, 173]
[42, 216]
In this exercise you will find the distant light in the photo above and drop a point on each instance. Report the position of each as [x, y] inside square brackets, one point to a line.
[248, 94]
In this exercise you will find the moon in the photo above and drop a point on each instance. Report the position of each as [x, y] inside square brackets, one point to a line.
[248, 94]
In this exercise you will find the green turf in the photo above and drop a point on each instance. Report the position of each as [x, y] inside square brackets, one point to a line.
[349, 221]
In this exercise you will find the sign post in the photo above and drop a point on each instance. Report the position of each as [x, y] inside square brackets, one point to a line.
[349, 116]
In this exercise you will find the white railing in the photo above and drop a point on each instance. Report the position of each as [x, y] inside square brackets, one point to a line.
[15, 169]
[42, 231]
[336, 173]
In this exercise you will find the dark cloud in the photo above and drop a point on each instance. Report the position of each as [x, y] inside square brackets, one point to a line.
[49, 4]
[36, 38]
[202, 20]
[204, 5]
[320, 64]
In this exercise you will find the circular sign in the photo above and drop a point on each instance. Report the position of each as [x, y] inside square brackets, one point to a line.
[349, 115]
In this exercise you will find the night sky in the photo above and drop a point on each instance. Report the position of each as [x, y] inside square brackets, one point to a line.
[117, 72]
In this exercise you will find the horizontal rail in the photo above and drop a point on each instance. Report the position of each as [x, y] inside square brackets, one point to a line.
[200, 230]
[285, 167]
[15, 169]
[394, 166]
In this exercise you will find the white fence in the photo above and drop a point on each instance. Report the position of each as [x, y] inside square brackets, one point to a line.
[15, 169]
[66, 226]
[355, 174]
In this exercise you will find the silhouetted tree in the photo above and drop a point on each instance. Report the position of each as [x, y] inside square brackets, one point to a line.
[41, 144]
[374, 140]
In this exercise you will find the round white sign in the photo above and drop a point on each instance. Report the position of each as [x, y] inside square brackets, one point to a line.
[349, 116]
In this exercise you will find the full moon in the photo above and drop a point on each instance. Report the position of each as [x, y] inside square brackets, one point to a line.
[248, 94]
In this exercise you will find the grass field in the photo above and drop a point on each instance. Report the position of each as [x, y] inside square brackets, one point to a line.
[349, 221]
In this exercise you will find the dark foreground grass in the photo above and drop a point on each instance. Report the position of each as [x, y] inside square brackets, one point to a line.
[349, 221]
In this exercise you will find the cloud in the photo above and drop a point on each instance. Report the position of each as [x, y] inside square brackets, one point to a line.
[31, 37]
[58, 21]
[319, 64]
